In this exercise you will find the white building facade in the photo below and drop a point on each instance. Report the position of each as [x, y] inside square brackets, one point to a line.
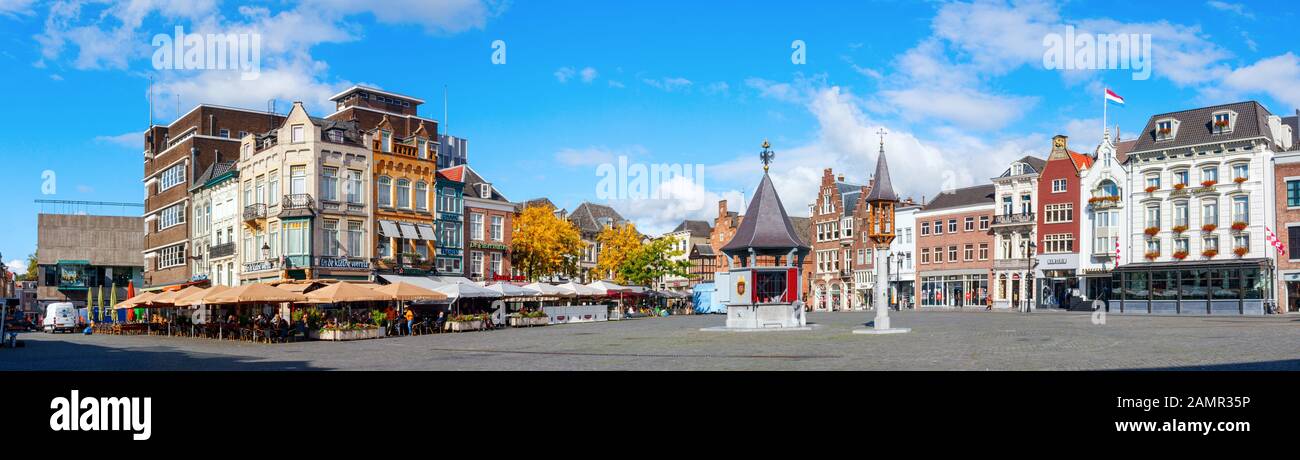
[1014, 231]
[1103, 242]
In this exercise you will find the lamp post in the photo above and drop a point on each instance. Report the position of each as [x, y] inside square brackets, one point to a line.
[881, 201]
[1027, 247]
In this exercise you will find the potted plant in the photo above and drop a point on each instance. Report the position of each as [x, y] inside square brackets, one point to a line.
[1152, 231]
[1180, 186]
[467, 322]
[1152, 255]
[1164, 131]
[1208, 253]
[529, 319]
[1221, 124]
[1239, 179]
[1239, 226]
[1209, 183]
[1208, 228]
[1152, 188]
[1240, 252]
[1180, 255]
[1179, 228]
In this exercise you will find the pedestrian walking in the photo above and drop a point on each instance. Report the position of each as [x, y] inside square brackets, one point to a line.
[410, 322]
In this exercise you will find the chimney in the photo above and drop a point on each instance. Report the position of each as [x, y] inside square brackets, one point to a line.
[194, 162]
[212, 125]
[216, 155]
[839, 178]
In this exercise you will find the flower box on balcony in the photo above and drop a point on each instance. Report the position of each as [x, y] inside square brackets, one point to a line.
[1210, 253]
[1179, 228]
[1239, 226]
[1152, 231]
[1180, 255]
[1239, 179]
[1208, 228]
[1151, 255]
[1240, 252]
[1152, 189]
[1209, 183]
[1180, 186]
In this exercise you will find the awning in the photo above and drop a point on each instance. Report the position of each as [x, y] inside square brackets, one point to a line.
[426, 232]
[420, 281]
[388, 228]
[409, 232]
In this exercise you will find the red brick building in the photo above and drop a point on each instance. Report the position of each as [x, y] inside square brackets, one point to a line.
[841, 259]
[489, 221]
[954, 244]
[1059, 214]
[1286, 173]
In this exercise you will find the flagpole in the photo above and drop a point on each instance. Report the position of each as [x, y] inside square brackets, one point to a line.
[1103, 110]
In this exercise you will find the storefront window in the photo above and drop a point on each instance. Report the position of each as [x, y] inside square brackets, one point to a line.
[1136, 286]
[1192, 286]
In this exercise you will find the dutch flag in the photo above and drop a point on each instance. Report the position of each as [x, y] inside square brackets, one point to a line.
[1112, 97]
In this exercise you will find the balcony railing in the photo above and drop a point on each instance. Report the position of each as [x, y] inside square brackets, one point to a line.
[1014, 219]
[298, 205]
[221, 250]
[254, 211]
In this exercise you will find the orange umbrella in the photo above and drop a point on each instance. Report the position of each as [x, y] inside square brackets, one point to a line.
[406, 291]
[345, 292]
[196, 297]
[253, 293]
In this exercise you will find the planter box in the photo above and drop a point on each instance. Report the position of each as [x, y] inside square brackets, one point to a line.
[458, 326]
[361, 334]
[529, 322]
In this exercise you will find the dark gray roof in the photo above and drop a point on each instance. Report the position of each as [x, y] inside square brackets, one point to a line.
[766, 227]
[702, 250]
[472, 189]
[803, 226]
[214, 170]
[881, 188]
[589, 217]
[698, 228]
[1294, 123]
[969, 196]
[1122, 148]
[1035, 163]
[1195, 126]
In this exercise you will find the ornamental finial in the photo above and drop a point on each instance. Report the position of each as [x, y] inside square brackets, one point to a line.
[766, 155]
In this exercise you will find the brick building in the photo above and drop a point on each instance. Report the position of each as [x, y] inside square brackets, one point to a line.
[173, 156]
[1286, 169]
[724, 229]
[954, 243]
[841, 258]
[489, 218]
[1058, 219]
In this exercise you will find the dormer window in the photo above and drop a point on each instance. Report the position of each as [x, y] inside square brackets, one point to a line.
[1166, 129]
[1223, 121]
[335, 136]
[423, 148]
[485, 190]
[386, 144]
[1017, 169]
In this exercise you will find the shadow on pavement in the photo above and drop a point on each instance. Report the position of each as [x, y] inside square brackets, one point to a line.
[65, 355]
[1279, 365]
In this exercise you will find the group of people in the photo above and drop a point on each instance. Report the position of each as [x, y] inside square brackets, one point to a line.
[277, 328]
[406, 323]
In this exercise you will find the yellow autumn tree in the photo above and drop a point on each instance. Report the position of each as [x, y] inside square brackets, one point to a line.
[543, 244]
[617, 243]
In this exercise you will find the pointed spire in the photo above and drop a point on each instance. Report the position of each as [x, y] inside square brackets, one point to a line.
[881, 189]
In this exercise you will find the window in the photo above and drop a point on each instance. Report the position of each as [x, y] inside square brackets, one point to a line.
[1153, 216]
[421, 196]
[224, 133]
[1210, 243]
[423, 148]
[1210, 174]
[848, 227]
[1181, 245]
[925, 229]
[385, 191]
[171, 216]
[984, 222]
[273, 188]
[1153, 181]
[984, 251]
[952, 225]
[1026, 204]
[447, 201]
[1222, 122]
[968, 253]
[1292, 193]
[938, 227]
[1180, 214]
[1164, 130]
[1153, 246]
[1240, 209]
[297, 135]
[925, 255]
[386, 143]
[1180, 178]
[329, 184]
[1057, 213]
[1292, 241]
[1007, 205]
[938, 255]
[295, 238]
[297, 180]
[970, 224]
[496, 264]
[332, 238]
[275, 241]
[259, 190]
[1109, 188]
[1058, 185]
[1058, 243]
[1241, 171]
[1241, 241]
[476, 227]
[171, 256]
[172, 177]
[404, 194]
[498, 228]
[383, 249]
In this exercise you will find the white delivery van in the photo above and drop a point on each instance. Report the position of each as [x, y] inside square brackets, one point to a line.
[60, 316]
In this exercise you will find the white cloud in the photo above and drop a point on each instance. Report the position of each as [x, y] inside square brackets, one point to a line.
[125, 140]
[596, 155]
[616, 84]
[1235, 8]
[1277, 76]
[564, 74]
[17, 266]
[684, 199]
[717, 87]
[15, 8]
[669, 84]
[588, 74]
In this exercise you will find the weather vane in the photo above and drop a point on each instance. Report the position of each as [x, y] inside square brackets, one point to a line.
[766, 155]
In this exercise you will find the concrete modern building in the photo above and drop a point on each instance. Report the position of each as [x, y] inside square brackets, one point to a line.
[1105, 195]
[490, 219]
[1058, 219]
[685, 238]
[173, 156]
[1203, 191]
[213, 235]
[1014, 232]
[954, 243]
[299, 222]
[78, 252]
[452, 151]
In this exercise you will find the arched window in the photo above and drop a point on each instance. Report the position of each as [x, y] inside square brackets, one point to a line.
[404, 193]
[421, 196]
[385, 186]
[1108, 188]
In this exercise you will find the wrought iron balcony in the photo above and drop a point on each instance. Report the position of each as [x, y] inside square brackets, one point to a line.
[221, 250]
[1014, 219]
[297, 205]
[255, 211]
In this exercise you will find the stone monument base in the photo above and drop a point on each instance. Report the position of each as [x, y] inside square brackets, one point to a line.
[764, 317]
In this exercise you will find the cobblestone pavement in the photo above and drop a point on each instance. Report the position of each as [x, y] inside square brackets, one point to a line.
[938, 341]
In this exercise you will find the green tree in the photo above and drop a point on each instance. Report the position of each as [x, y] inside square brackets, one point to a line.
[653, 261]
[31, 268]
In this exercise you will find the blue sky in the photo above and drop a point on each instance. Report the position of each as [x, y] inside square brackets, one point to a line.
[960, 86]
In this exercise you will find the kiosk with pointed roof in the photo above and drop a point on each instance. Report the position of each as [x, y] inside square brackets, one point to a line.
[764, 298]
[881, 201]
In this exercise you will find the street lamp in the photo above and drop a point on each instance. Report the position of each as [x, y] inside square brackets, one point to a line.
[1028, 247]
[881, 201]
[266, 251]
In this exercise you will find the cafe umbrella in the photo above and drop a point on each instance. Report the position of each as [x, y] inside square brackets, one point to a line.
[252, 293]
